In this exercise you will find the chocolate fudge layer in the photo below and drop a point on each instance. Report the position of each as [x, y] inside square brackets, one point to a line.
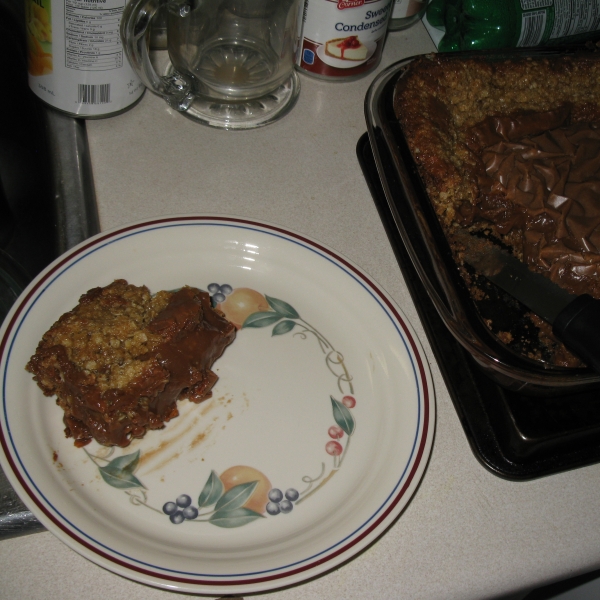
[512, 148]
[119, 361]
[542, 179]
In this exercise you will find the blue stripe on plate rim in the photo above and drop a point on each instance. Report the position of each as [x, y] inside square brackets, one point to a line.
[422, 433]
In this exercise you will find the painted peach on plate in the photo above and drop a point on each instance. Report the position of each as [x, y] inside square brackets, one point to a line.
[241, 303]
[243, 494]
[243, 474]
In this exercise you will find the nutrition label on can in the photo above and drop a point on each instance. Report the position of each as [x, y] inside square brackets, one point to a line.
[572, 17]
[92, 41]
[76, 62]
[551, 21]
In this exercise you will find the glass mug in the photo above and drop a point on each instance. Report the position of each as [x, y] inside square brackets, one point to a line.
[232, 61]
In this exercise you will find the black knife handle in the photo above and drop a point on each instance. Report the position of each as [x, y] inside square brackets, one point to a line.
[578, 327]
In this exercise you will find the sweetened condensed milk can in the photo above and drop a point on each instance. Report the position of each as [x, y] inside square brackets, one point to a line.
[342, 39]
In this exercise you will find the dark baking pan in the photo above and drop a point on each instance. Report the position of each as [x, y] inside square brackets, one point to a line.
[514, 435]
[430, 254]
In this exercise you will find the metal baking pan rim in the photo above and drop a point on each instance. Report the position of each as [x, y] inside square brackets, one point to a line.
[532, 378]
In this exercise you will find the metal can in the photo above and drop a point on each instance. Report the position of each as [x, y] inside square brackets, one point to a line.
[75, 58]
[342, 39]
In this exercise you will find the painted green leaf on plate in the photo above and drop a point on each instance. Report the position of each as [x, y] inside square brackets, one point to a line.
[262, 319]
[211, 492]
[282, 308]
[119, 472]
[283, 327]
[236, 497]
[234, 518]
[343, 417]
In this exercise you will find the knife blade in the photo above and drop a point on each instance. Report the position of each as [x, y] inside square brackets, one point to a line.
[575, 320]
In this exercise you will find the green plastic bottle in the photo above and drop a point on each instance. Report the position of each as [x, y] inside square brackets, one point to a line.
[481, 24]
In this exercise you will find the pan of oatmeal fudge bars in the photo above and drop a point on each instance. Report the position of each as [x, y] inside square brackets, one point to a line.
[503, 145]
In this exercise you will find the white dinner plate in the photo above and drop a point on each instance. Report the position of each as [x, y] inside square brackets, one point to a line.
[325, 403]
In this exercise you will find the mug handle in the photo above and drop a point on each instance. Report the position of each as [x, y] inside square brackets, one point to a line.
[135, 26]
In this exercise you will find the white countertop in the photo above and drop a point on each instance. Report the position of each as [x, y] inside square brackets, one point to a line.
[466, 534]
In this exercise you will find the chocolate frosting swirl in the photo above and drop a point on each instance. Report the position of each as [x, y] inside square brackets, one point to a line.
[541, 177]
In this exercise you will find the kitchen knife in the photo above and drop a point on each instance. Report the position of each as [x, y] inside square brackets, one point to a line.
[575, 320]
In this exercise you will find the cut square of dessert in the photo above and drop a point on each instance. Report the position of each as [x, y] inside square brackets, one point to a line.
[119, 361]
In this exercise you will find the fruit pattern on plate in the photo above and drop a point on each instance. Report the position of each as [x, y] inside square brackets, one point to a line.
[242, 494]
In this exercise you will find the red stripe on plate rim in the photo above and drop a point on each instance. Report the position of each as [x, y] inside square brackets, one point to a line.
[424, 434]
